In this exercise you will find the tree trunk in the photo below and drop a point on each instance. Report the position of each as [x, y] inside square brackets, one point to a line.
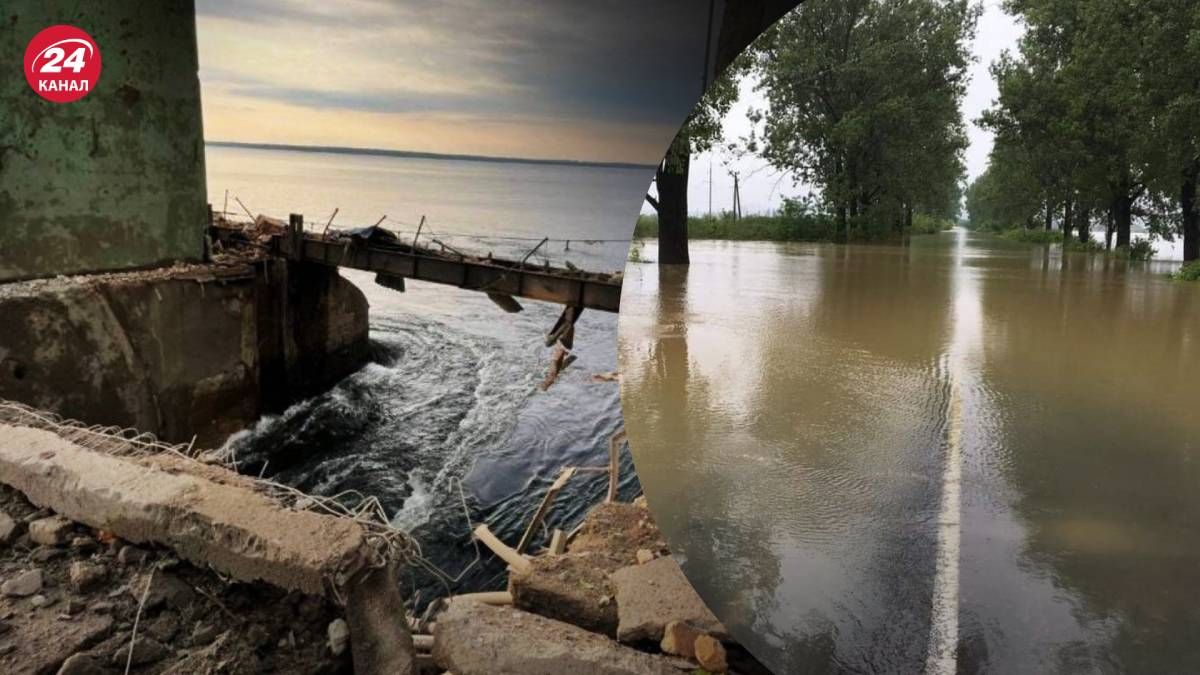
[672, 182]
[1084, 225]
[1191, 217]
[1123, 215]
[1068, 219]
[1049, 215]
[908, 217]
[1109, 226]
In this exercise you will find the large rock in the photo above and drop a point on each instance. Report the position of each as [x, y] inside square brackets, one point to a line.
[471, 638]
[570, 588]
[22, 585]
[208, 515]
[680, 639]
[710, 654]
[86, 576]
[652, 595]
[44, 642]
[52, 531]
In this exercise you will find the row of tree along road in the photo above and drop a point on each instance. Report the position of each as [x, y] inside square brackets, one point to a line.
[861, 102]
[1097, 122]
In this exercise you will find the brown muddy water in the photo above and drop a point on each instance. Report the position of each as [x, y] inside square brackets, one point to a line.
[959, 455]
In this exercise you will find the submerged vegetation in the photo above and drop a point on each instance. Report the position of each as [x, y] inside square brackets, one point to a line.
[1189, 272]
[1096, 131]
[796, 221]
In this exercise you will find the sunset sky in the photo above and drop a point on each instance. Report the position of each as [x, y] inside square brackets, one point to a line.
[607, 80]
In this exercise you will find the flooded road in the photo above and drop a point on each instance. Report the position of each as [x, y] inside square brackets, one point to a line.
[962, 455]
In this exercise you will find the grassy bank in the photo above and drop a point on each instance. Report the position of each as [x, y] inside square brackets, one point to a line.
[1189, 272]
[784, 227]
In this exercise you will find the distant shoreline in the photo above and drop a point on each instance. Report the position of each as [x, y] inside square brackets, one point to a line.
[409, 154]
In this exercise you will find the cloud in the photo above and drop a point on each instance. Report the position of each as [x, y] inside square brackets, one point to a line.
[561, 65]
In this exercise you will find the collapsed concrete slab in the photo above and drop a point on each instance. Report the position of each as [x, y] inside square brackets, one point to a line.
[652, 595]
[476, 639]
[214, 519]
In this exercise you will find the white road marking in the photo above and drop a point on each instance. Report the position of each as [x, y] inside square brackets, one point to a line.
[941, 659]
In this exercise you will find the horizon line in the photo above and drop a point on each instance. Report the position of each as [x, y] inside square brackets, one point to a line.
[418, 154]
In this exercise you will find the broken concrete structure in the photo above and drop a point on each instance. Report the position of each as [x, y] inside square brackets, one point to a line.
[194, 351]
[220, 522]
[652, 595]
[115, 180]
[472, 638]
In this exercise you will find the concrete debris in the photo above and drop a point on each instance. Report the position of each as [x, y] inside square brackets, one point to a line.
[52, 531]
[475, 639]
[644, 555]
[9, 530]
[680, 639]
[710, 654]
[223, 628]
[339, 636]
[616, 532]
[571, 588]
[652, 595]
[86, 576]
[42, 646]
[234, 529]
[23, 585]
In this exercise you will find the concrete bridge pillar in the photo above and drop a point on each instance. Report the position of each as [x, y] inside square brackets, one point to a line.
[114, 180]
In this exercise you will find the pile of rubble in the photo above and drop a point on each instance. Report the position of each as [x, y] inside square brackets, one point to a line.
[80, 601]
[154, 562]
[614, 602]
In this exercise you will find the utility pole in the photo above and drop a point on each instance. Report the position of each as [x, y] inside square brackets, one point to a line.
[737, 197]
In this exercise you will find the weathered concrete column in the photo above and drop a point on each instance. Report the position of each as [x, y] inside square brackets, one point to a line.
[115, 180]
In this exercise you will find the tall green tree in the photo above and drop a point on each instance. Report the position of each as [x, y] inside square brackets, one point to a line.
[863, 102]
[1170, 71]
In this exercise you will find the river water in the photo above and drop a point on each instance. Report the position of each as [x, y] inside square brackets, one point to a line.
[959, 455]
[452, 395]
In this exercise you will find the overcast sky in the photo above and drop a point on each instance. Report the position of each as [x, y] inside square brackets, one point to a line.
[762, 187]
[604, 80]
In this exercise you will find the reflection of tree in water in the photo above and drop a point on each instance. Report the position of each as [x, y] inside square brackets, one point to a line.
[1097, 369]
[845, 401]
[775, 479]
[665, 404]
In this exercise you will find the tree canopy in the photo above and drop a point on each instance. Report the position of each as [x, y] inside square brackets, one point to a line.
[1098, 116]
[863, 103]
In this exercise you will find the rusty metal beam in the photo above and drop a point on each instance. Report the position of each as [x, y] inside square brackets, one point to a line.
[496, 276]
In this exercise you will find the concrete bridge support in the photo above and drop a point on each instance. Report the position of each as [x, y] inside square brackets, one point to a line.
[114, 180]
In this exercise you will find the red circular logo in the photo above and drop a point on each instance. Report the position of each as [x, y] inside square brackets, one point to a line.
[62, 64]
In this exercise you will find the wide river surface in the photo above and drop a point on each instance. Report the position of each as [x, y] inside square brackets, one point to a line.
[452, 397]
[959, 455]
